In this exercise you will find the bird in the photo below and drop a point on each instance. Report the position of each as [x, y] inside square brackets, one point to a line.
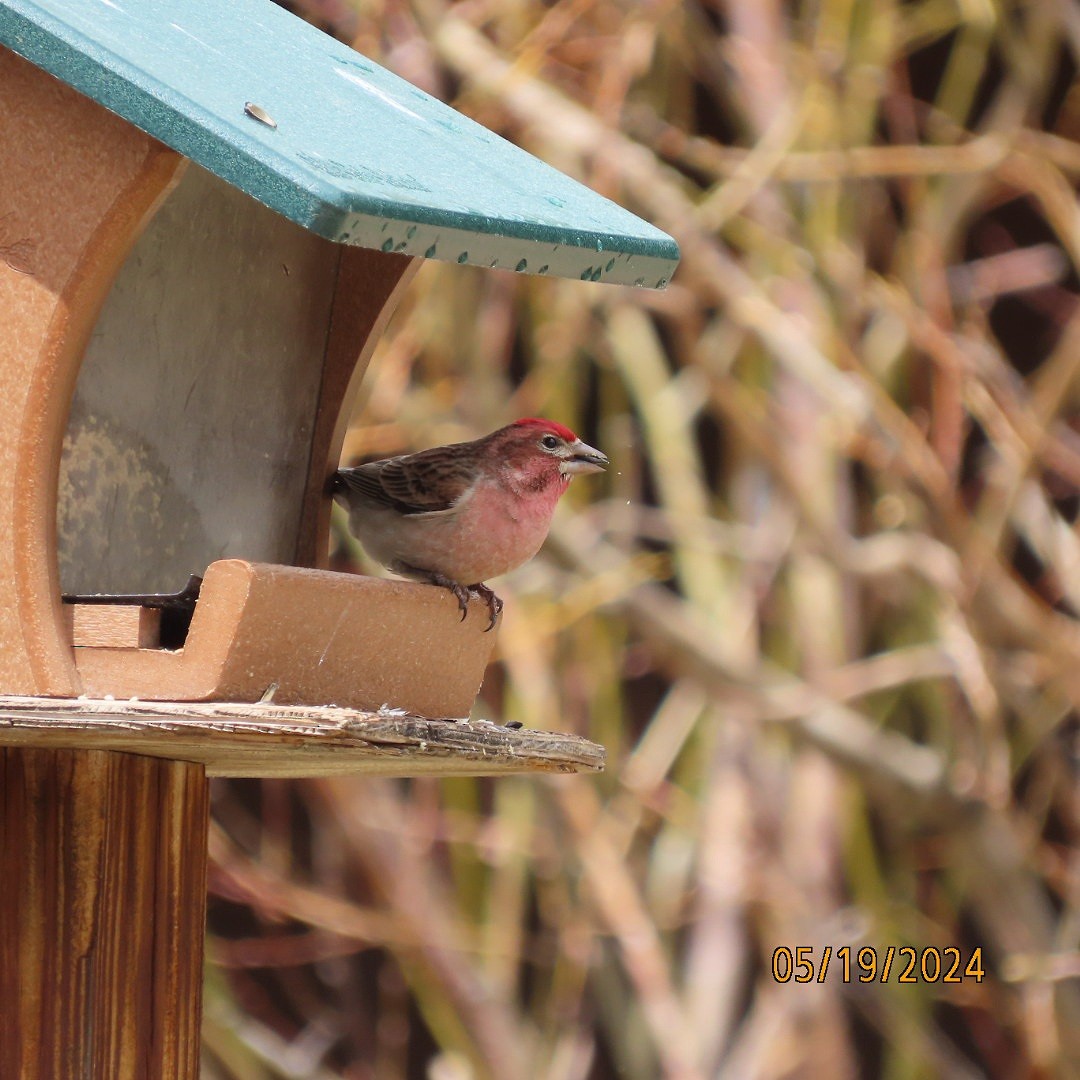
[457, 515]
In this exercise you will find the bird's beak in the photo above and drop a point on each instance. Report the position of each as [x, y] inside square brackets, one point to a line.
[583, 459]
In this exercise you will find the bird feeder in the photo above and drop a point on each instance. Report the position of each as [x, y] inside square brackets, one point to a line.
[207, 215]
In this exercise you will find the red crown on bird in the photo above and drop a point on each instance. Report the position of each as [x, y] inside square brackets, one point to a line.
[548, 425]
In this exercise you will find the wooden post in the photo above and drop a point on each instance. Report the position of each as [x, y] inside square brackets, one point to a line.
[102, 914]
[103, 855]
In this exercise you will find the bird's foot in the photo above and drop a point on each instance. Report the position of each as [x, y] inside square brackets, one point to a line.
[461, 594]
[495, 605]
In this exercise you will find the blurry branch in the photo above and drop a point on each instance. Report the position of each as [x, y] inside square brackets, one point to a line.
[976, 154]
[663, 740]
[1055, 194]
[748, 543]
[619, 902]
[727, 199]
[236, 1038]
[981, 154]
[415, 929]
[244, 880]
[284, 951]
[987, 578]
[717, 276]
[759, 60]
[582, 597]
[763, 694]
[886, 671]
[749, 413]
[1009, 907]
[1064, 153]
[454, 996]
[1050, 537]
[984, 280]
[668, 407]
[923, 1038]
[717, 950]
[1012, 910]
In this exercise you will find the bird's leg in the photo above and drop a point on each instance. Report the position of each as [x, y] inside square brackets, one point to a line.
[460, 592]
[495, 605]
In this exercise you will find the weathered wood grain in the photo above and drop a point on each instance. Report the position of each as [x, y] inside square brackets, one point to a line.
[102, 914]
[275, 740]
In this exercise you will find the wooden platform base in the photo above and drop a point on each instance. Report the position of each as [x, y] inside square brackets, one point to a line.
[264, 739]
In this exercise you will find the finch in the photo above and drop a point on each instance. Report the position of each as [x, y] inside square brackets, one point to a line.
[457, 515]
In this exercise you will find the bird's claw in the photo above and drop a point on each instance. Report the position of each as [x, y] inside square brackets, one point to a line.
[462, 594]
[495, 605]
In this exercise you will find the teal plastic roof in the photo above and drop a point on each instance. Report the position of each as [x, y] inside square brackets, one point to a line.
[329, 139]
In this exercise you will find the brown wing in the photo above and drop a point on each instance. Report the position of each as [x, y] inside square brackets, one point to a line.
[423, 483]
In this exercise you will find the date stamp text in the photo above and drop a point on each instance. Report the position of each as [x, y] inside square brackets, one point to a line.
[900, 963]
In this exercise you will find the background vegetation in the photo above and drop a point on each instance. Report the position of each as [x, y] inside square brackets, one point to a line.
[822, 611]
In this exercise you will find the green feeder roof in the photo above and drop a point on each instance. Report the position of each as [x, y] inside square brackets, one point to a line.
[331, 140]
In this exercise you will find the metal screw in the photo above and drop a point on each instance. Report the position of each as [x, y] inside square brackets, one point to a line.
[257, 112]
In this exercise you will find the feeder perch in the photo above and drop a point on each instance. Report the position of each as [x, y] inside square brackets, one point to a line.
[208, 213]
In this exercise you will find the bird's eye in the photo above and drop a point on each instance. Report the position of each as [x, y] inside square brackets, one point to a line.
[549, 442]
